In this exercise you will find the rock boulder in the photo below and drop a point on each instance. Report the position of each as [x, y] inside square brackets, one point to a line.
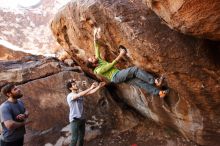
[191, 65]
[194, 17]
[8, 54]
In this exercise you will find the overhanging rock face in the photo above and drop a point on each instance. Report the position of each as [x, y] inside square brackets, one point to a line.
[191, 65]
[195, 17]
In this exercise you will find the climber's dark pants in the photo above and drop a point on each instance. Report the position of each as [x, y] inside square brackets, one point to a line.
[142, 79]
[18, 142]
[78, 132]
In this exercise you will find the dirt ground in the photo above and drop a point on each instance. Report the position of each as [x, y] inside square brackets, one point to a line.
[147, 134]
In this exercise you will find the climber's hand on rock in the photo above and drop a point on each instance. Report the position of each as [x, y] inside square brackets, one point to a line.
[97, 31]
[122, 52]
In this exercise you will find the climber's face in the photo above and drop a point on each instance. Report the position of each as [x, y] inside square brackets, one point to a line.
[93, 60]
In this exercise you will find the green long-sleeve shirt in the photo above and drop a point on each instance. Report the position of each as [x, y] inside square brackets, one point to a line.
[104, 68]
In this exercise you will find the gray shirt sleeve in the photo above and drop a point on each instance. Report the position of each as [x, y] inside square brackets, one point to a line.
[5, 113]
[69, 97]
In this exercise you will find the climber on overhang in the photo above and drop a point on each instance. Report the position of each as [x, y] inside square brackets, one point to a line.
[108, 70]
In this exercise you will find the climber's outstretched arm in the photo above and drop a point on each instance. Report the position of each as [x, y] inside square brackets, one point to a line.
[121, 54]
[96, 43]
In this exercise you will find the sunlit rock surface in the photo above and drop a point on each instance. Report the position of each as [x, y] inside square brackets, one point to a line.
[199, 18]
[28, 27]
[8, 54]
[191, 65]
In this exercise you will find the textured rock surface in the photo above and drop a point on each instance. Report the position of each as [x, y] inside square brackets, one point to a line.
[8, 54]
[195, 17]
[191, 65]
[29, 68]
[142, 135]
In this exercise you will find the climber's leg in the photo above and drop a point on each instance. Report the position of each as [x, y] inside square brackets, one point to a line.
[146, 86]
[133, 72]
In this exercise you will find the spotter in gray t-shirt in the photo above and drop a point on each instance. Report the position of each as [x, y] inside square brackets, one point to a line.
[9, 111]
[76, 107]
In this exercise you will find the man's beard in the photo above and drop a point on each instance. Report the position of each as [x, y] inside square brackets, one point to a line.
[17, 96]
[96, 64]
[96, 61]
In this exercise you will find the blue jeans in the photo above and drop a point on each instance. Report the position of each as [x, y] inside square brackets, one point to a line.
[137, 77]
[78, 132]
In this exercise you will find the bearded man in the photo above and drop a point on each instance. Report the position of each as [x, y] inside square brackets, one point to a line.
[13, 117]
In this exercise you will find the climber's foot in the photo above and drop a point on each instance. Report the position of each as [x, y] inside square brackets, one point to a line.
[163, 93]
